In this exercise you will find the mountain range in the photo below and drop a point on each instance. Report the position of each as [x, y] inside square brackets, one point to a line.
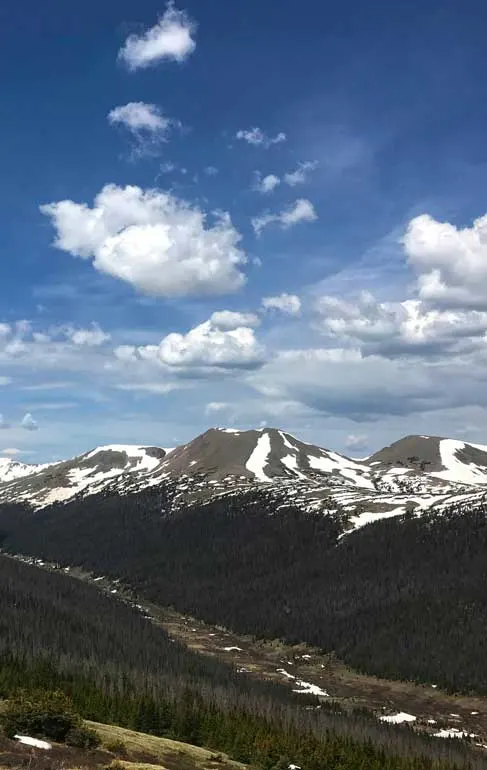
[415, 473]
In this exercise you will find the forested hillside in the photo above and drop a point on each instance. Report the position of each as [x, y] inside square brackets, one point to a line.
[402, 598]
[57, 633]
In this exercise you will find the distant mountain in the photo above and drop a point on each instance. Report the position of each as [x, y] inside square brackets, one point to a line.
[41, 485]
[11, 469]
[442, 458]
[415, 473]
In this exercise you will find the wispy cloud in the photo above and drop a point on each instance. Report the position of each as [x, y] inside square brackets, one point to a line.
[301, 211]
[301, 174]
[256, 137]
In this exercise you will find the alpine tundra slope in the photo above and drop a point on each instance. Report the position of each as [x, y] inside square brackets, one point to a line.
[416, 473]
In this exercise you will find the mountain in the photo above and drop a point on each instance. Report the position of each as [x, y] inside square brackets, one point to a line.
[11, 469]
[263, 455]
[263, 533]
[88, 473]
[414, 473]
[441, 458]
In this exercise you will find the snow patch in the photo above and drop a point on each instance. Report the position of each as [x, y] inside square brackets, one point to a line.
[453, 733]
[28, 741]
[258, 459]
[397, 719]
[310, 689]
[456, 470]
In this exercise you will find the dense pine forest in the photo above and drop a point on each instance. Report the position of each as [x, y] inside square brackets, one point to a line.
[59, 634]
[402, 598]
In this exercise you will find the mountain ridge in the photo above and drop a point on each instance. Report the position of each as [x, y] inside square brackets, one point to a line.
[415, 473]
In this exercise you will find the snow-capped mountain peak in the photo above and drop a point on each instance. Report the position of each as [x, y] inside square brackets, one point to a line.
[414, 473]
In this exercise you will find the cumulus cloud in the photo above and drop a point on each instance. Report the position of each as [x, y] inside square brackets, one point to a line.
[451, 262]
[256, 137]
[301, 211]
[226, 320]
[28, 422]
[208, 346]
[152, 240]
[171, 38]
[401, 328]
[284, 303]
[301, 174]
[266, 184]
[211, 347]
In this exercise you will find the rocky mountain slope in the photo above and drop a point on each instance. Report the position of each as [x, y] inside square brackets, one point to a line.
[415, 473]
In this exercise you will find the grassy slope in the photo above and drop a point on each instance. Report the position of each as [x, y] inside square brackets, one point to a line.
[142, 752]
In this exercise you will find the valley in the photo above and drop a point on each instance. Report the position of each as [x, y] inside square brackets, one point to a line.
[305, 669]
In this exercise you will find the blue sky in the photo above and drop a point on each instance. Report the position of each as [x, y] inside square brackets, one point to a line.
[221, 213]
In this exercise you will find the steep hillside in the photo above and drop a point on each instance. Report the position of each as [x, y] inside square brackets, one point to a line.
[118, 666]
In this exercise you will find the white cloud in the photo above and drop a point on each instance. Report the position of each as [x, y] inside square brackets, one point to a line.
[208, 346]
[217, 406]
[28, 422]
[147, 125]
[451, 263]
[301, 174]
[4, 425]
[89, 337]
[211, 170]
[218, 345]
[266, 184]
[227, 320]
[285, 303]
[404, 328]
[301, 211]
[139, 116]
[5, 381]
[152, 240]
[356, 442]
[256, 137]
[171, 38]
[12, 452]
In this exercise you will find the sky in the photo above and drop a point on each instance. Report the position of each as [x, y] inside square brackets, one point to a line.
[244, 215]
